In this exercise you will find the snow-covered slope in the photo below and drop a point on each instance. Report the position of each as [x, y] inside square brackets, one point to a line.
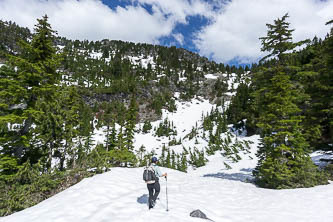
[188, 115]
[120, 195]
[223, 195]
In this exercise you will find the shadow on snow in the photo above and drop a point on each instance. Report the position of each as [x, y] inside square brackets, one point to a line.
[244, 177]
[143, 199]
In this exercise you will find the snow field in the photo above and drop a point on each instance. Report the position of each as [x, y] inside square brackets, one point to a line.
[121, 195]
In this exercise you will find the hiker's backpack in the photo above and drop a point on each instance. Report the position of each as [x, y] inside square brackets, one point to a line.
[149, 175]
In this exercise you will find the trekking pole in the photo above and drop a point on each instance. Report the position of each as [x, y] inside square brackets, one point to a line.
[166, 190]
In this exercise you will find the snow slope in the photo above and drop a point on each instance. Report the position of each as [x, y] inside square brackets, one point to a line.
[188, 115]
[223, 195]
[120, 195]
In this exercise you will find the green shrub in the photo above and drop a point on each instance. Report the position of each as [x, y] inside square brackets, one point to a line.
[29, 186]
[329, 171]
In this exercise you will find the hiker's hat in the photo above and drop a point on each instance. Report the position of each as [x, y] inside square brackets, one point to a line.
[154, 159]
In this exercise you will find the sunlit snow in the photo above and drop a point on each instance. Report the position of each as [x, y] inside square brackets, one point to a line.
[223, 195]
[211, 76]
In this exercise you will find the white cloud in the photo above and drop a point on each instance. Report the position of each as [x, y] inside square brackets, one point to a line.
[89, 19]
[178, 10]
[236, 29]
[179, 38]
[92, 20]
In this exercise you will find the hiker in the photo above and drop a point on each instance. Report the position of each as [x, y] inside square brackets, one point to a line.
[154, 188]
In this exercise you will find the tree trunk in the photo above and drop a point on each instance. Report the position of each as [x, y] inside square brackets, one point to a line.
[18, 150]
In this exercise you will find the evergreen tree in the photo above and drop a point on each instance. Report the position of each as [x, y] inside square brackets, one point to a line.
[49, 130]
[183, 162]
[146, 126]
[317, 77]
[284, 160]
[279, 39]
[70, 110]
[141, 153]
[130, 124]
[121, 155]
[173, 159]
[168, 159]
[328, 80]
[29, 77]
[239, 104]
[162, 159]
[111, 134]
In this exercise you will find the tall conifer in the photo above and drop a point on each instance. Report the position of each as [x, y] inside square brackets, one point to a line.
[284, 160]
[28, 78]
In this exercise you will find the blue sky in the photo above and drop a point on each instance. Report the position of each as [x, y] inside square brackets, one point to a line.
[188, 31]
[225, 31]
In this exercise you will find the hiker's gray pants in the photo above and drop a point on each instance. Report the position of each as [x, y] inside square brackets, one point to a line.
[154, 190]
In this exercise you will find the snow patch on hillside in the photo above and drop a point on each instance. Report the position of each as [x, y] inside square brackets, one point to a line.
[188, 115]
[142, 61]
[96, 55]
[211, 76]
